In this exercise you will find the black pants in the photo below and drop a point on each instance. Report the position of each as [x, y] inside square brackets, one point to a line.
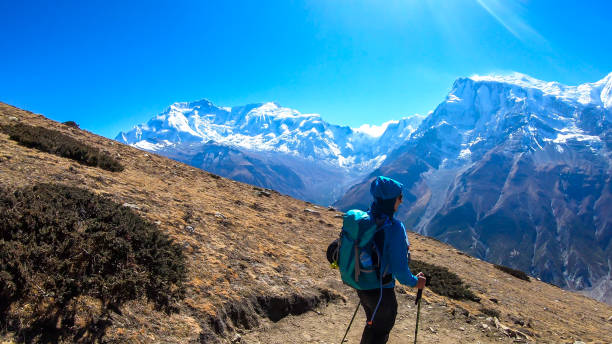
[384, 319]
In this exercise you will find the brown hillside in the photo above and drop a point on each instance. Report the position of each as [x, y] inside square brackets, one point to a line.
[256, 261]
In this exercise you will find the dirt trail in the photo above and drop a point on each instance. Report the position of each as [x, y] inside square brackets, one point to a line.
[327, 325]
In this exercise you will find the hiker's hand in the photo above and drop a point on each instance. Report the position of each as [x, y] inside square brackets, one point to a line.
[422, 280]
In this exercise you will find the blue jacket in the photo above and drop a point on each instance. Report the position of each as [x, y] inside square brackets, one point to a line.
[395, 255]
[394, 243]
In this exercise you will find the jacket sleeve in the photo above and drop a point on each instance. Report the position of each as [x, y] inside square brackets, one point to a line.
[398, 253]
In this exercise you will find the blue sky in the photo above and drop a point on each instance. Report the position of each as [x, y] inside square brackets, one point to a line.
[110, 65]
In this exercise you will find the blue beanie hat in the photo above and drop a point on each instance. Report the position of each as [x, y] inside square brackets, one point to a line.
[385, 188]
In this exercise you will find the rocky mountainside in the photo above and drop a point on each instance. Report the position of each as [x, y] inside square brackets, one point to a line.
[515, 171]
[256, 269]
[287, 145]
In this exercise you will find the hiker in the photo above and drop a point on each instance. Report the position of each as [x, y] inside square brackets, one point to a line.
[387, 195]
[374, 271]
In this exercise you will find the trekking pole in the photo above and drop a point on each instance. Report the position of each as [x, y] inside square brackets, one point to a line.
[349, 326]
[418, 303]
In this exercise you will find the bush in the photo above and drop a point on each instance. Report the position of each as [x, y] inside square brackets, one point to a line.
[71, 124]
[54, 142]
[494, 313]
[516, 273]
[443, 282]
[59, 244]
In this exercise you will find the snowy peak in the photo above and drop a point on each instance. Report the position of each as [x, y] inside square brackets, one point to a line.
[276, 111]
[203, 103]
[596, 93]
[524, 113]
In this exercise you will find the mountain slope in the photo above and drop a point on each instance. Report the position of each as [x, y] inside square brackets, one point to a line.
[280, 138]
[256, 262]
[515, 171]
[286, 174]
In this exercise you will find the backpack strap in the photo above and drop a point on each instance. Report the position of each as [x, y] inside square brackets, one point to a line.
[355, 242]
[381, 224]
[357, 257]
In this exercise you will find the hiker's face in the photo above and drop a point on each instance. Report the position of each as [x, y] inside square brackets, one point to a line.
[398, 201]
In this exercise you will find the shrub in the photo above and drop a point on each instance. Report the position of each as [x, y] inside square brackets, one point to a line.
[494, 313]
[516, 273]
[443, 282]
[54, 142]
[71, 124]
[59, 244]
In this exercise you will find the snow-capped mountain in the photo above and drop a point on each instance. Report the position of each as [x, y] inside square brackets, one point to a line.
[273, 136]
[516, 171]
[268, 127]
[482, 111]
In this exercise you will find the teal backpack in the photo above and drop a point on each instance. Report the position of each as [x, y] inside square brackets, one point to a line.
[356, 254]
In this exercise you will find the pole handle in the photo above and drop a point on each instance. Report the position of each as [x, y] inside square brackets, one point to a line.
[418, 297]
